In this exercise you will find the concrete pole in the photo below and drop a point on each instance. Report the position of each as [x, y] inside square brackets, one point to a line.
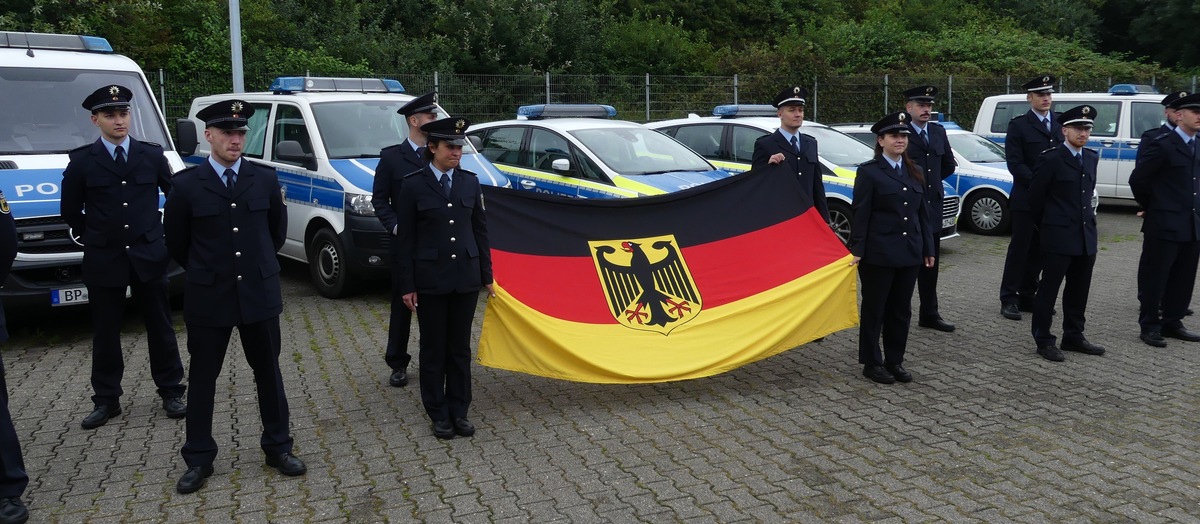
[235, 45]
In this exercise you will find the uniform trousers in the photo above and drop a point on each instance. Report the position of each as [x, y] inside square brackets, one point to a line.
[1077, 271]
[13, 478]
[927, 278]
[1019, 282]
[445, 323]
[886, 310]
[1166, 276]
[207, 346]
[399, 327]
[108, 312]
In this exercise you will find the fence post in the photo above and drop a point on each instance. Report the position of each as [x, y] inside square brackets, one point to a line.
[162, 92]
[1153, 80]
[1008, 84]
[435, 81]
[735, 89]
[886, 85]
[950, 97]
[647, 97]
[814, 99]
[548, 87]
[1193, 83]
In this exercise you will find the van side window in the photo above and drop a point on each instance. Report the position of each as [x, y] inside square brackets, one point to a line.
[289, 125]
[1146, 116]
[256, 137]
[1108, 114]
[703, 139]
[1005, 112]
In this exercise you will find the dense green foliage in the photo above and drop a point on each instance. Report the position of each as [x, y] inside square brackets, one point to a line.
[796, 38]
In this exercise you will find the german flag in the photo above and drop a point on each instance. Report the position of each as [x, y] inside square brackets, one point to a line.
[670, 287]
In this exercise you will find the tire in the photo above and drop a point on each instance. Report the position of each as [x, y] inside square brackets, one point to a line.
[329, 266]
[987, 212]
[839, 219]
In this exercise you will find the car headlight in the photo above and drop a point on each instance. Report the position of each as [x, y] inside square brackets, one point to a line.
[359, 204]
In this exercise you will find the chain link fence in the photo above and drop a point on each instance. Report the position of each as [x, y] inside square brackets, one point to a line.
[645, 98]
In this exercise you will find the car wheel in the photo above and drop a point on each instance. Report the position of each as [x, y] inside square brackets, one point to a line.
[988, 212]
[839, 220]
[329, 266]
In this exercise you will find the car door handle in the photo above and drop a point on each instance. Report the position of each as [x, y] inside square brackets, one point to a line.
[528, 184]
[1107, 143]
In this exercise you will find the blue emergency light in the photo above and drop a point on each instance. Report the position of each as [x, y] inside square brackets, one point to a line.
[314, 84]
[567, 110]
[16, 40]
[735, 110]
[1132, 89]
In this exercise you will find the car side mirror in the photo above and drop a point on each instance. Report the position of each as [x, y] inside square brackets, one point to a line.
[185, 137]
[291, 151]
[561, 165]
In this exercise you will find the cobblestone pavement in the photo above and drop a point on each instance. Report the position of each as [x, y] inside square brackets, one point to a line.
[988, 432]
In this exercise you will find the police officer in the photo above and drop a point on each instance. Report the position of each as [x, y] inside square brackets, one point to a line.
[1168, 103]
[110, 198]
[1060, 202]
[444, 261]
[787, 145]
[395, 162]
[1166, 181]
[13, 478]
[929, 148]
[891, 239]
[225, 220]
[1028, 135]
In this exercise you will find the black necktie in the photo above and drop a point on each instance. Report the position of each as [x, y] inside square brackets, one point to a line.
[925, 137]
[446, 184]
[1047, 121]
[1192, 146]
[420, 154]
[229, 178]
[1079, 157]
[796, 144]
[899, 172]
[120, 158]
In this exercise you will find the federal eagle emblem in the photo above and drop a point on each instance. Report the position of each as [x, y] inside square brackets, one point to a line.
[646, 283]
[3, 204]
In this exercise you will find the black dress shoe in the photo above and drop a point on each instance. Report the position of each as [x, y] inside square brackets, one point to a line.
[1010, 312]
[1082, 346]
[193, 479]
[174, 407]
[443, 429]
[1154, 338]
[463, 427]
[12, 511]
[935, 323]
[1051, 353]
[898, 371]
[100, 416]
[287, 464]
[878, 374]
[398, 379]
[1181, 333]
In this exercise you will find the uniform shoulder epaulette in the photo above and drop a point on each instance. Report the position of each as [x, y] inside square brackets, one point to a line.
[388, 148]
[868, 162]
[258, 163]
[155, 144]
[1044, 151]
[417, 172]
[82, 147]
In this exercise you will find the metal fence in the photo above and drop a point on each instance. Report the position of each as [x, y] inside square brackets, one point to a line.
[645, 98]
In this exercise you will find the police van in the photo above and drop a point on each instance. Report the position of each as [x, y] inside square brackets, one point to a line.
[323, 137]
[1122, 115]
[43, 80]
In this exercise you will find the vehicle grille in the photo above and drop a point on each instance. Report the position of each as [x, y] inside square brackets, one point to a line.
[53, 232]
[951, 206]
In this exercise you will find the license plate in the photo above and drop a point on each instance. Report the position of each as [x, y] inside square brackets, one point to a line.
[74, 296]
[947, 222]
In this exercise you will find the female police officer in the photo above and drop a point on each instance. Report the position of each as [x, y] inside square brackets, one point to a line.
[444, 260]
[891, 239]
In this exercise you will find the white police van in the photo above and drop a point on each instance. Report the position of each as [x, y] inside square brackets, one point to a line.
[1122, 115]
[323, 136]
[43, 81]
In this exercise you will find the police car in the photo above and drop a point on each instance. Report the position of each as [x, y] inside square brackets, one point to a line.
[323, 136]
[43, 78]
[1122, 115]
[727, 139]
[577, 150]
[981, 178]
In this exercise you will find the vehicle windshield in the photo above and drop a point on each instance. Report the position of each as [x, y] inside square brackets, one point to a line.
[975, 148]
[633, 151]
[360, 128]
[838, 147]
[42, 112]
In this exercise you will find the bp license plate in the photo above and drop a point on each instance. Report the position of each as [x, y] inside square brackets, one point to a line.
[73, 296]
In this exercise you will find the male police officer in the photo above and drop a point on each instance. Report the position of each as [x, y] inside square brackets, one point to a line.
[1028, 135]
[929, 147]
[1060, 202]
[1166, 182]
[1168, 103]
[394, 163]
[13, 478]
[110, 198]
[225, 220]
[787, 145]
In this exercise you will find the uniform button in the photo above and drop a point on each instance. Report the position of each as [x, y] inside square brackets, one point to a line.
[235, 230]
[126, 226]
[233, 205]
[904, 189]
[125, 204]
[237, 253]
[448, 204]
[452, 239]
[452, 222]
[906, 203]
[452, 257]
[122, 182]
[906, 219]
[239, 278]
[904, 233]
[126, 247]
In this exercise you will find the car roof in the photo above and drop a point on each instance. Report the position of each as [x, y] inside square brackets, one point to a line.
[561, 124]
[762, 122]
[1097, 96]
[267, 96]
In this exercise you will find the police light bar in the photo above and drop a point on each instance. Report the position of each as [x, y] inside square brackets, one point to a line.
[1132, 89]
[730, 111]
[567, 110]
[314, 84]
[93, 44]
